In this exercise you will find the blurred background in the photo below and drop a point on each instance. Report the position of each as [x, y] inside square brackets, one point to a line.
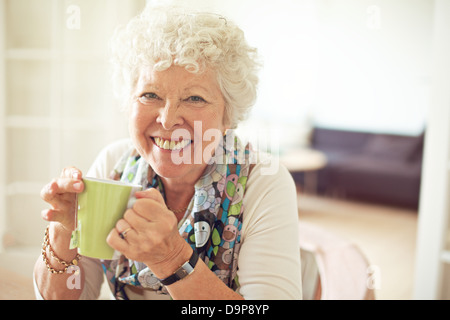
[355, 90]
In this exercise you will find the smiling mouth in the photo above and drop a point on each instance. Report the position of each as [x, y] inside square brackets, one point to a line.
[170, 144]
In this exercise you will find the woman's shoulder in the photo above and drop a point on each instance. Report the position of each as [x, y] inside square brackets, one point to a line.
[269, 169]
[117, 148]
[269, 180]
[108, 158]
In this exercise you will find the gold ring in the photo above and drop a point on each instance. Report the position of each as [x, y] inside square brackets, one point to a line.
[123, 234]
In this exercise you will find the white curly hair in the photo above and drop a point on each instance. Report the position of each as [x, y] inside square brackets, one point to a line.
[164, 36]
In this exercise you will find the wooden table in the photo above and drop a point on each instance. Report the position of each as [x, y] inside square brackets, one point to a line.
[307, 161]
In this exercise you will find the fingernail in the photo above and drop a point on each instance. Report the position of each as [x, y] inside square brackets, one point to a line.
[131, 202]
[77, 186]
[139, 194]
[76, 175]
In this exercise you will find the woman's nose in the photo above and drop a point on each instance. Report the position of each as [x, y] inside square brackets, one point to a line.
[169, 115]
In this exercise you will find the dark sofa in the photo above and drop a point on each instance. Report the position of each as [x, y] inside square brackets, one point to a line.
[372, 167]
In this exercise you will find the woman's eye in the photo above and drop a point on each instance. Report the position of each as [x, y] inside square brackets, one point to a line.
[147, 97]
[195, 99]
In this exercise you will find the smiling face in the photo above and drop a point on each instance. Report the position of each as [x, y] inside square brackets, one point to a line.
[172, 101]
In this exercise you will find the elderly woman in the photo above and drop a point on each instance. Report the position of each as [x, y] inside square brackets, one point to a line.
[186, 79]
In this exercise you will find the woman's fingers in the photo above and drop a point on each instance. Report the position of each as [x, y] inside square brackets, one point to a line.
[71, 172]
[150, 205]
[135, 220]
[116, 242]
[60, 193]
[60, 186]
[151, 193]
[70, 181]
[53, 215]
[148, 231]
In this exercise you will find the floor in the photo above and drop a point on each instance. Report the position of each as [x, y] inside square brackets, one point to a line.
[386, 235]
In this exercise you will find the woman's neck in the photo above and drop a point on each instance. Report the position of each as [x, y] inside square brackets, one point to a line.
[178, 195]
[180, 190]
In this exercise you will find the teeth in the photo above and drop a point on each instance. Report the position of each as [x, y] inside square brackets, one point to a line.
[171, 145]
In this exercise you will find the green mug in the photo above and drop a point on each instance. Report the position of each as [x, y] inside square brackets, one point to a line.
[101, 204]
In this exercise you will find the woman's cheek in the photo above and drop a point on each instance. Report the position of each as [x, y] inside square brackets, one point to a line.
[138, 125]
[133, 127]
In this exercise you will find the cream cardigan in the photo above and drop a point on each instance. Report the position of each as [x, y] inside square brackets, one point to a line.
[269, 259]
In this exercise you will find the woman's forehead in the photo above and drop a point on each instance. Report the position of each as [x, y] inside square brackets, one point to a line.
[176, 75]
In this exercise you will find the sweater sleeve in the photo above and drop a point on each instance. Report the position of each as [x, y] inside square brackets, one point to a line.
[269, 259]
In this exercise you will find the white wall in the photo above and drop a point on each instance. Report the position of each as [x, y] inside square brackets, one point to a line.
[433, 236]
[56, 106]
[327, 60]
[374, 69]
[352, 64]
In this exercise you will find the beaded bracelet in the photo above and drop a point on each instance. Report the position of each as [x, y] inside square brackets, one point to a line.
[46, 244]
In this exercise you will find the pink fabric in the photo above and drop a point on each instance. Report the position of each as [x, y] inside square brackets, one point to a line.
[343, 269]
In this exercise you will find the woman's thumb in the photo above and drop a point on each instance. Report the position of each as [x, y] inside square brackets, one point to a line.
[151, 193]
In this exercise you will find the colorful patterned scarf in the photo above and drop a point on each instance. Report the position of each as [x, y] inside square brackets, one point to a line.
[211, 225]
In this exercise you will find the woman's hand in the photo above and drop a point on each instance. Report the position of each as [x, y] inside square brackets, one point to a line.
[60, 193]
[151, 235]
